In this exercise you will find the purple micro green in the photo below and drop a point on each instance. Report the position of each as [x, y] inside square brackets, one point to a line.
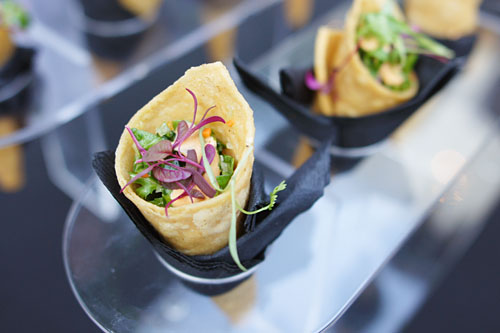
[182, 129]
[185, 190]
[207, 121]
[141, 149]
[203, 185]
[312, 83]
[329, 86]
[195, 105]
[158, 152]
[170, 176]
[191, 156]
[210, 152]
[206, 112]
[197, 194]
[140, 174]
[182, 195]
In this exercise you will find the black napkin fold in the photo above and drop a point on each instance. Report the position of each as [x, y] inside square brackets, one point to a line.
[304, 187]
[15, 78]
[294, 103]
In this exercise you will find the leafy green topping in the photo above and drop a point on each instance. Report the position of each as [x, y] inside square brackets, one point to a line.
[226, 165]
[392, 41]
[165, 132]
[175, 123]
[146, 139]
[151, 190]
[220, 147]
[12, 14]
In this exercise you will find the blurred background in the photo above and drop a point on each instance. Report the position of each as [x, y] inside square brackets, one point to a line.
[414, 220]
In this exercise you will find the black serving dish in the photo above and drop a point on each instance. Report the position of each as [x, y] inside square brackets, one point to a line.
[295, 99]
[217, 273]
[110, 30]
[16, 78]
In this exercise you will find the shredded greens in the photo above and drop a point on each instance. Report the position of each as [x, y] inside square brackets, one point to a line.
[389, 47]
[13, 15]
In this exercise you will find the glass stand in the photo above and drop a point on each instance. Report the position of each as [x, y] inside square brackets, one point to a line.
[123, 287]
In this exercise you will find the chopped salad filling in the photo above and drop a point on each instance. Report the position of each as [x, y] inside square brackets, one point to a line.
[389, 47]
[169, 168]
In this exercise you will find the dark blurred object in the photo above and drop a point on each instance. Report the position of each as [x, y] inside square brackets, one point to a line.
[347, 132]
[16, 78]
[491, 6]
[105, 10]
[112, 32]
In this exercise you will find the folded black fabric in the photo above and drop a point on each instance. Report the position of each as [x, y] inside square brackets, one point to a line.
[105, 10]
[16, 77]
[294, 103]
[304, 187]
[20, 62]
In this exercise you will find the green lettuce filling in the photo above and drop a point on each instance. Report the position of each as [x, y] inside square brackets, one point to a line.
[397, 44]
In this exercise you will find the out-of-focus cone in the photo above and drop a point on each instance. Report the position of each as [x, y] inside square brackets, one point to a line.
[302, 153]
[237, 302]
[12, 176]
[142, 8]
[220, 47]
[6, 46]
[450, 19]
[298, 12]
[106, 69]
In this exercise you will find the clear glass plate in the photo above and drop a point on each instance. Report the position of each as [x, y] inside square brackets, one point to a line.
[123, 287]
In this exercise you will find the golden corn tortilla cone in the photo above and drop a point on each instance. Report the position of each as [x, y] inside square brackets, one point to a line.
[449, 19]
[6, 46]
[143, 8]
[12, 177]
[298, 12]
[356, 92]
[202, 227]
[325, 50]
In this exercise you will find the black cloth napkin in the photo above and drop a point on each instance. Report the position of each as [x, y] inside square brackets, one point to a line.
[304, 187]
[16, 77]
[294, 103]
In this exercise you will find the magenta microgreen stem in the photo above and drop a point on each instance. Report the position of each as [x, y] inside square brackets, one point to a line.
[140, 174]
[141, 149]
[195, 106]
[185, 190]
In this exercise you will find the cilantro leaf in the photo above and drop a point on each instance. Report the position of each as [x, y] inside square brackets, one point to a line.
[272, 200]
